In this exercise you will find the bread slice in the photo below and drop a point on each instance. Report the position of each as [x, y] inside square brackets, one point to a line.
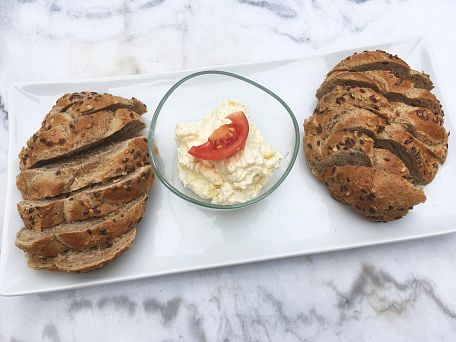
[388, 162]
[96, 201]
[82, 234]
[381, 60]
[78, 135]
[350, 148]
[341, 97]
[337, 119]
[421, 163]
[374, 193]
[342, 140]
[385, 83]
[92, 167]
[423, 123]
[339, 149]
[84, 260]
[359, 130]
[350, 116]
[71, 106]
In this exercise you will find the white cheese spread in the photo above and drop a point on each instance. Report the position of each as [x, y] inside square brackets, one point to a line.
[232, 180]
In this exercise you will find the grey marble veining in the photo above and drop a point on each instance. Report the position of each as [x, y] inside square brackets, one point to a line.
[400, 292]
[304, 300]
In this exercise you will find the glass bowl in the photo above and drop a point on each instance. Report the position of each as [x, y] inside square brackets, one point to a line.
[196, 96]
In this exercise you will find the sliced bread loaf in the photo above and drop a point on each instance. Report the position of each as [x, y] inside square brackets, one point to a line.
[84, 260]
[84, 179]
[92, 167]
[95, 201]
[82, 234]
[376, 135]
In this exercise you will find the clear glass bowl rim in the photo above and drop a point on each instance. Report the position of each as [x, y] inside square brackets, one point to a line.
[152, 145]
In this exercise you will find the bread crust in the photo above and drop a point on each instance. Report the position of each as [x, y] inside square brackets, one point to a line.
[385, 160]
[84, 234]
[89, 203]
[78, 135]
[337, 119]
[381, 60]
[92, 168]
[351, 152]
[426, 124]
[361, 130]
[75, 105]
[411, 151]
[385, 83]
[85, 260]
[338, 141]
[375, 194]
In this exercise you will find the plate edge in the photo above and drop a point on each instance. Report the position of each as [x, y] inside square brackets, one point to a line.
[220, 265]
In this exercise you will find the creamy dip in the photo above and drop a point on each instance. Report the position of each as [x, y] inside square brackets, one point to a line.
[236, 179]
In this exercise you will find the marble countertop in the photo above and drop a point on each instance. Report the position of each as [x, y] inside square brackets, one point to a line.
[399, 292]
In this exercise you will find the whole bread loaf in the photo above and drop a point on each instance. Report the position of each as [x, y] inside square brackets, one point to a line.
[84, 178]
[376, 135]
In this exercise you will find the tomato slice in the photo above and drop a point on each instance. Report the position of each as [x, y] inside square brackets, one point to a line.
[225, 140]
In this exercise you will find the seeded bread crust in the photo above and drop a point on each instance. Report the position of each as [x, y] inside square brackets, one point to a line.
[74, 105]
[96, 201]
[385, 83]
[381, 60]
[386, 161]
[96, 166]
[82, 234]
[78, 135]
[362, 130]
[376, 135]
[84, 260]
[375, 125]
[350, 148]
[375, 194]
[340, 118]
[421, 162]
[424, 123]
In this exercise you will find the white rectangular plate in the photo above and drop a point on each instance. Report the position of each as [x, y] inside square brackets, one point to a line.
[299, 218]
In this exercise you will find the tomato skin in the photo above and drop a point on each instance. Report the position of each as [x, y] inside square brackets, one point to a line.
[225, 141]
